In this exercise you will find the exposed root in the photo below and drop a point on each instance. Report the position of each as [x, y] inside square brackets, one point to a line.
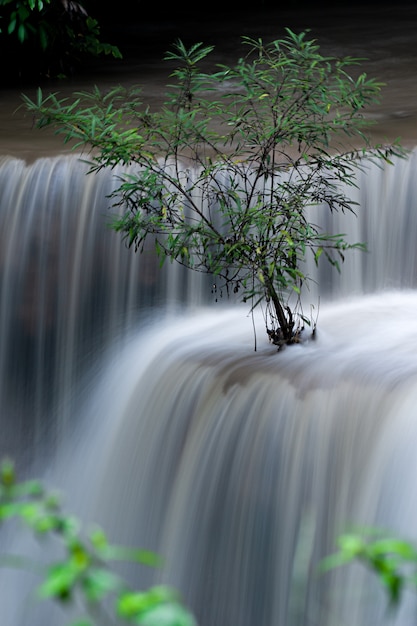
[277, 337]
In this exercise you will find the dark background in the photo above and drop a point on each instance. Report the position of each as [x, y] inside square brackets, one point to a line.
[137, 25]
[146, 30]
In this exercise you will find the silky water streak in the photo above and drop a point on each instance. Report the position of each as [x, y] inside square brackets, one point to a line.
[239, 467]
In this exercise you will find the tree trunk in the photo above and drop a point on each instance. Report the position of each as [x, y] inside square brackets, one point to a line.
[286, 325]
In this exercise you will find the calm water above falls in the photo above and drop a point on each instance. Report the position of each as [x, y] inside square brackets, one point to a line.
[386, 38]
[160, 421]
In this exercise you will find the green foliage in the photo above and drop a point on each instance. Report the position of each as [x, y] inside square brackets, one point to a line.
[227, 172]
[84, 575]
[392, 559]
[59, 33]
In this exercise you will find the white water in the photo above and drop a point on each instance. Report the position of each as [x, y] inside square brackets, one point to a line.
[163, 424]
[260, 461]
[241, 468]
[69, 289]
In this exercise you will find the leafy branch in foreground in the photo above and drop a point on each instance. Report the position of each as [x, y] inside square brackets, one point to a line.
[224, 177]
[392, 559]
[44, 38]
[84, 577]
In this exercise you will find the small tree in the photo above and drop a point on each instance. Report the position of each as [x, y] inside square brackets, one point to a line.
[230, 167]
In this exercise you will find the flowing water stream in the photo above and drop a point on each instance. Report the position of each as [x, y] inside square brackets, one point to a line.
[141, 397]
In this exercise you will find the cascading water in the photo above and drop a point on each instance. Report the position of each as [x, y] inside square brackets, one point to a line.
[69, 287]
[161, 422]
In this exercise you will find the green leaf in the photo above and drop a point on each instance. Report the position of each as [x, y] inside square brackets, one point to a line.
[43, 37]
[393, 547]
[135, 603]
[60, 582]
[351, 545]
[7, 473]
[169, 614]
[317, 255]
[22, 33]
[146, 557]
[12, 24]
[97, 583]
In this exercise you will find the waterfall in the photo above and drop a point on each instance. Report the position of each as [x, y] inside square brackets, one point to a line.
[260, 462]
[69, 288]
[126, 386]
